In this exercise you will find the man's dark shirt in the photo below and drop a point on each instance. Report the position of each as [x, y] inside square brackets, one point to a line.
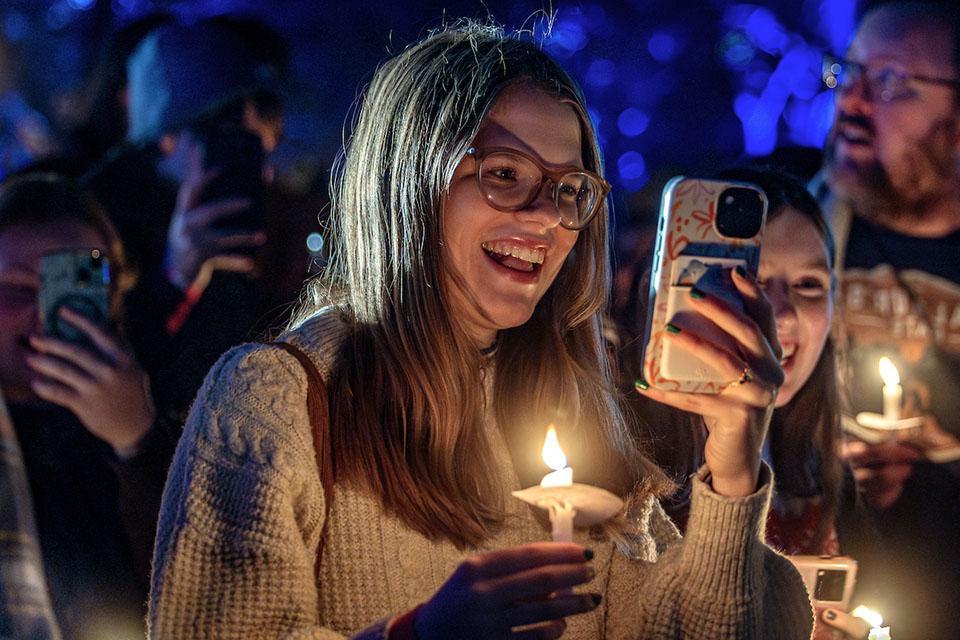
[900, 298]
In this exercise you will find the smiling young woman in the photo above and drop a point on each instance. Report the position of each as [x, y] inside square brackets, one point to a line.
[459, 317]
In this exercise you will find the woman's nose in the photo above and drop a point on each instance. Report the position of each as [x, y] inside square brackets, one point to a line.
[778, 292]
[542, 210]
[854, 97]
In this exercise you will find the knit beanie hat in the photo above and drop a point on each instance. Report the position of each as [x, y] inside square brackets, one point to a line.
[181, 74]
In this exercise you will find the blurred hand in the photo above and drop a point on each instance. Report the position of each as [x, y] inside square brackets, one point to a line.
[109, 395]
[492, 593]
[195, 248]
[738, 417]
[833, 624]
[880, 469]
[929, 437]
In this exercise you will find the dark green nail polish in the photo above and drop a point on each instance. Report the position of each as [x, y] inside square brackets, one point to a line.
[641, 384]
[672, 328]
[741, 271]
[696, 294]
[597, 599]
[588, 554]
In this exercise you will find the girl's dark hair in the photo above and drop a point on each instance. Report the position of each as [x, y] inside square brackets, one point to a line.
[42, 199]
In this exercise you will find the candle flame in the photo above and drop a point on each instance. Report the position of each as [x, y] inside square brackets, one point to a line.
[889, 372]
[552, 453]
[871, 617]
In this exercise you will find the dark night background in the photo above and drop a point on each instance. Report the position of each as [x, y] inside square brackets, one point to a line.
[676, 86]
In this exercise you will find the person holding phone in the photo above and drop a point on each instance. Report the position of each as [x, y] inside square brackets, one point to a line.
[890, 185]
[81, 409]
[187, 195]
[459, 317]
[815, 509]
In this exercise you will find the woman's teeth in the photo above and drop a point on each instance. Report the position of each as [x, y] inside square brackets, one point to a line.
[514, 256]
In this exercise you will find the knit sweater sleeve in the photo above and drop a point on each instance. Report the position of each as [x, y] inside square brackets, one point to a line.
[719, 582]
[242, 511]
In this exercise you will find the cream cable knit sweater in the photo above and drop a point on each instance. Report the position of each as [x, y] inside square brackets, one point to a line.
[243, 508]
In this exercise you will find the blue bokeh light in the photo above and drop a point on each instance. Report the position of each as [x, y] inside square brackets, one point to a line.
[568, 37]
[737, 51]
[631, 165]
[765, 31]
[756, 80]
[15, 26]
[601, 73]
[632, 122]
[82, 5]
[800, 70]
[59, 15]
[759, 124]
[837, 20]
[125, 7]
[663, 46]
[809, 121]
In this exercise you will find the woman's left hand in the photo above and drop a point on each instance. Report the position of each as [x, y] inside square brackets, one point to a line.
[834, 623]
[108, 393]
[737, 418]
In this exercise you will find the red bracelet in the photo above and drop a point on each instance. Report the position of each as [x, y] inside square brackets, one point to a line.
[178, 318]
[402, 627]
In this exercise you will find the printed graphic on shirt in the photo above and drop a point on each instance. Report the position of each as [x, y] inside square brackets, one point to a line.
[877, 308]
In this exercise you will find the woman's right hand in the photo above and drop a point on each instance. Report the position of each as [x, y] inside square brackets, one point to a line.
[736, 418]
[492, 593]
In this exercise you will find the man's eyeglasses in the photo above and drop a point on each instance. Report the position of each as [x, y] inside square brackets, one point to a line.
[885, 84]
[511, 180]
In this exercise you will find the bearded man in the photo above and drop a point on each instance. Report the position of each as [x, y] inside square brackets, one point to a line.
[891, 185]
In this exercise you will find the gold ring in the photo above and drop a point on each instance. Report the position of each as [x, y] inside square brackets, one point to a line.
[745, 378]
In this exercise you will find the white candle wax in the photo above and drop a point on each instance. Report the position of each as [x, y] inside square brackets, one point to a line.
[561, 520]
[879, 633]
[560, 478]
[892, 391]
[892, 400]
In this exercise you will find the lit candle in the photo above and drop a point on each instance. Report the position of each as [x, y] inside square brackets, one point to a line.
[892, 391]
[565, 500]
[562, 475]
[561, 511]
[871, 617]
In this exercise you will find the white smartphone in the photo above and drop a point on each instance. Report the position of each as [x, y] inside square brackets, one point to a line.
[706, 229]
[829, 579]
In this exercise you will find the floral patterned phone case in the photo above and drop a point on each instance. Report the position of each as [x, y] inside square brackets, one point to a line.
[692, 251]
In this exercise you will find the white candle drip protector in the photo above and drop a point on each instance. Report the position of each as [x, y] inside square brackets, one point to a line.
[880, 422]
[569, 503]
[576, 505]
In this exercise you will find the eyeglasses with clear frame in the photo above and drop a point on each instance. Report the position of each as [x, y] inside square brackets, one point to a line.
[885, 84]
[510, 180]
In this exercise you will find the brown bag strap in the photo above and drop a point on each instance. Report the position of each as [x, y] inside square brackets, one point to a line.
[318, 409]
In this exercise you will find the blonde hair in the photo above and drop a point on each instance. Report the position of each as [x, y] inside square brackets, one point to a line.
[407, 402]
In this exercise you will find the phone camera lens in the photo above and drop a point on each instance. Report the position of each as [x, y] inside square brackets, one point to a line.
[739, 212]
[83, 276]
